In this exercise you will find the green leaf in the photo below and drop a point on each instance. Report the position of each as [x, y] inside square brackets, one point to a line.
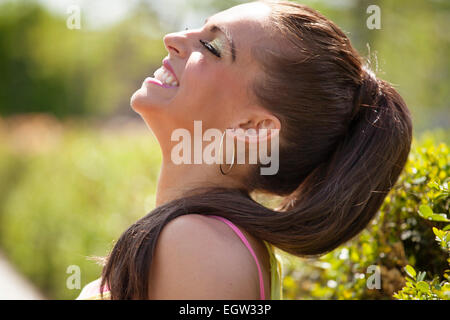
[422, 286]
[410, 271]
[439, 217]
[433, 185]
[440, 196]
[421, 276]
[439, 233]
[425, 211]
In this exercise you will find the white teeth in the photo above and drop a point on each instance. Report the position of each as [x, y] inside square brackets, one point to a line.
[165, 77]
[158, 74]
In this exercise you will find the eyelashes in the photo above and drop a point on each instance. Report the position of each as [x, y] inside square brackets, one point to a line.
[211, 48]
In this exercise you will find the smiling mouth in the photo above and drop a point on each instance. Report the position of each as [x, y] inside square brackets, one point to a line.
[164, 76]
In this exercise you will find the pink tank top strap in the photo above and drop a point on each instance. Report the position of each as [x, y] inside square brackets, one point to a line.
[249, 247]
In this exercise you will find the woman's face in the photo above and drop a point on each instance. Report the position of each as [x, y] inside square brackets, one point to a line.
[212, 72]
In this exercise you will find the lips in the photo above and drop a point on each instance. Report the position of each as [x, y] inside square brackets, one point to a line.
[165, 76]
[167, 65]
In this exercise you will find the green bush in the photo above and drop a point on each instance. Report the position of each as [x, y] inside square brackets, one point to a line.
[411, 229]
[68, 191]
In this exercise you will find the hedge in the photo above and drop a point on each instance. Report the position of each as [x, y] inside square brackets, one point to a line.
[410, 231]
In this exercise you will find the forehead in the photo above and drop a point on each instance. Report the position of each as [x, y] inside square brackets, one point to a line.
[245, 23]
[255, 12]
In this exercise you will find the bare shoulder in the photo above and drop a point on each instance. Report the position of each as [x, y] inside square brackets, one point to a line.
[195, 258]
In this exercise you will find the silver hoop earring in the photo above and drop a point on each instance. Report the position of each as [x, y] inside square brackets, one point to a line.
[220, 154]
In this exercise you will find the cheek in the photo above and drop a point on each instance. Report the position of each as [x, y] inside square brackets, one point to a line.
[220, 95]
[212, 91]
[206, 83]
[204, 75]
[217, 83]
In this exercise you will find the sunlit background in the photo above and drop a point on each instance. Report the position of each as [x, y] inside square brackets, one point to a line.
[77, 165]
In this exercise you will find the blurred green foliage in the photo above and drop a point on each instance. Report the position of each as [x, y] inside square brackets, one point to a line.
[46, 67]
[67, 192]
[411, 229]
[411, 50]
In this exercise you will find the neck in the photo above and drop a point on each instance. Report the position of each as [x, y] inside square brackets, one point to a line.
[175, 180]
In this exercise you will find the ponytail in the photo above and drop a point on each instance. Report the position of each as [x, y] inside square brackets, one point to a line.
[340, 196]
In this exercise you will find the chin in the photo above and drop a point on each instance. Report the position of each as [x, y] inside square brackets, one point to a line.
[151, 112]
[140, 101]
[136, 101]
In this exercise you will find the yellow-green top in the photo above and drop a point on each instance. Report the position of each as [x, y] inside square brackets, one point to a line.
[276, 289]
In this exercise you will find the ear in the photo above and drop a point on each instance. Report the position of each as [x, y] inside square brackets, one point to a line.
[260, 127]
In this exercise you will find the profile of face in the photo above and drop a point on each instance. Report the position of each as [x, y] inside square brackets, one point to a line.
[207, 76]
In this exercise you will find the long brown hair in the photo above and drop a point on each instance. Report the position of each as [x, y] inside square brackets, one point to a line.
[345, 139]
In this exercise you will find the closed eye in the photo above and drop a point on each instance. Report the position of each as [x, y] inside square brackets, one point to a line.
[210, 48]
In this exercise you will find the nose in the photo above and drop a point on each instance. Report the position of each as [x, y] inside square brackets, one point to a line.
[176, 44]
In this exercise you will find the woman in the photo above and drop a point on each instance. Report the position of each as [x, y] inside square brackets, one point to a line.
[344, 137]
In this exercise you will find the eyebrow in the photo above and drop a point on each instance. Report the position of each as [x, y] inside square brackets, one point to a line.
[227, 34]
